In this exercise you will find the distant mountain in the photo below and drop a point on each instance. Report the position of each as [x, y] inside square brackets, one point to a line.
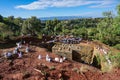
[62, 17]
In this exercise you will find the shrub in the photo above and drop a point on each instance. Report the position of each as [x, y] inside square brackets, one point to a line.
[115, 59]
[115, 62]
[117, 46]
[39, 36]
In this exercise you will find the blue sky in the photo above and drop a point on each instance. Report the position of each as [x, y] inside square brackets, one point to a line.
[47, 8]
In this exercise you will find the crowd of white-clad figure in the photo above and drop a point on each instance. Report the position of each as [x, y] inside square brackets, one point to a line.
[70, 40]
[16, 51]
[49, 59]
[105, 54]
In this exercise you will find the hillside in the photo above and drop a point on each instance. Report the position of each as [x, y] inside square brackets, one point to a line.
[62, 18]
[29, 67]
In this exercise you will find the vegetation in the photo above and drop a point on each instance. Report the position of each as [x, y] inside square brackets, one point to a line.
[115, 59]
[117, 46]
[106, 29]
[52, 68]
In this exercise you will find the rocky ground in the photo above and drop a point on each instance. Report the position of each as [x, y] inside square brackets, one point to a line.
[31, 68]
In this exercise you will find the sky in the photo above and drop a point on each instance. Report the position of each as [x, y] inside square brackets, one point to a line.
[50, 8]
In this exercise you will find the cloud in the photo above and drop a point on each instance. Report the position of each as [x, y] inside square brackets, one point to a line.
[103, 4]
[42, 4]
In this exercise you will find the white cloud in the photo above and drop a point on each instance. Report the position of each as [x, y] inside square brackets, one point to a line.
[103, 4]
[42, 4]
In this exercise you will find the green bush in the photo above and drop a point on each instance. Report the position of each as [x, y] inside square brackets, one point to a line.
[115, 59]
[39, 36]
[117, 46]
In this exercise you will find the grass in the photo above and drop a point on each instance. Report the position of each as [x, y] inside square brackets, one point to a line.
[81, 70]
[115, 58]
[117, 46]
[106, 67]
[75, 69]
[98, 60]
[52, 68]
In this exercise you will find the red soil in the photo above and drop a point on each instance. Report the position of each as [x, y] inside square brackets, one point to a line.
[30, 68]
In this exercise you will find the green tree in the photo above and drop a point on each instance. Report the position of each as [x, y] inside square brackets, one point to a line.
[49, 28]
[1, 18]
[58, 28]
[118, 10]
[11, 19]
[34, 25]
[5, 31]
[25, 29]
[31, 26]
[18, 21]
[105, 29]
[92, 33]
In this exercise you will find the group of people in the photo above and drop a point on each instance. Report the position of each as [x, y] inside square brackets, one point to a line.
[105, 52]
[56, 59]
[16, 52]
[71, 40]
[102, 50]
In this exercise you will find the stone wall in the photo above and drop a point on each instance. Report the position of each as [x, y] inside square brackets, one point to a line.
[63, 50]
[77, 52]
